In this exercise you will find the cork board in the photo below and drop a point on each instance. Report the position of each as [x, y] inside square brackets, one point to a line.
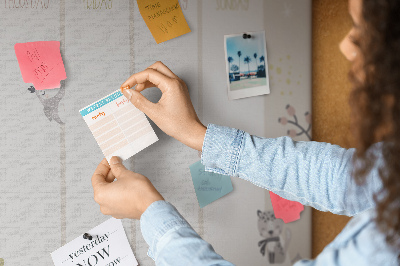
[46, 197]
[331, 90]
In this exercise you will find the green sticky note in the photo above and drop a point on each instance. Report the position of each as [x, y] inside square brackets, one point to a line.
[209, 186]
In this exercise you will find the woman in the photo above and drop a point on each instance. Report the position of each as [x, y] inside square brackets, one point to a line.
[362, 181]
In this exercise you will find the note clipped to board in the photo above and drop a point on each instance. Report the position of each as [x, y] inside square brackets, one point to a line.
[287, 210]
[164, 18]
[41, 63]
[108, 246]
[209, 186]
[118, 126]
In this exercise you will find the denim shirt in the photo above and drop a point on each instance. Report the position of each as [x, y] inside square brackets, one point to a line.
[312, 173]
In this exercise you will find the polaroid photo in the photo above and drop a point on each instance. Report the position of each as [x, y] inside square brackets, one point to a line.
[246, 65]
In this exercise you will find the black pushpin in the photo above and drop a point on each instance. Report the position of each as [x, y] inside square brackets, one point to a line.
[246, 36]
[87, 236]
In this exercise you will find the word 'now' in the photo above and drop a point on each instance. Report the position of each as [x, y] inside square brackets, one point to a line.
[99, 256]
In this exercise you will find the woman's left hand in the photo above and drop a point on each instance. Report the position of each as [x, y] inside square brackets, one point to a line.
[127, 197]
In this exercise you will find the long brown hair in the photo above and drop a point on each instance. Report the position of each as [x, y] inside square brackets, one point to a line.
[375, 102]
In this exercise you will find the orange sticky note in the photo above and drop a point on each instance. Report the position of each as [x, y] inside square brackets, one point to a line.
[164, 18]
[41, 63]
[284, 209]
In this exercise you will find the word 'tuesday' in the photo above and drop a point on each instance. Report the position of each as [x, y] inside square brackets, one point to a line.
[164, 18]
[118, 126]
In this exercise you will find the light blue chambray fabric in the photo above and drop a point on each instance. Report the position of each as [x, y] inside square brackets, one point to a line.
[312, 173]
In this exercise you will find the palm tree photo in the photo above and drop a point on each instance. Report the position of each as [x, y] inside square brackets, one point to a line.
[247, 61]
[230, 60]
[239, 53]
[255, 60]
[262, 59]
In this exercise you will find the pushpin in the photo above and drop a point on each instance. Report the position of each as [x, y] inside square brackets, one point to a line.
[246, 36]
[87, 236]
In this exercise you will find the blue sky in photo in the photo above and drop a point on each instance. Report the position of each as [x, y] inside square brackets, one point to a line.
[248, 47]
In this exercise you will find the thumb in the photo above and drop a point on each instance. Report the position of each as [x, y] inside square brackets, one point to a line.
[117, 167]
[139, 101]
[100, 174]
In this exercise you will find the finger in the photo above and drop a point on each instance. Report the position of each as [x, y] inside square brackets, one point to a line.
[117, 167]
[142, 86]
[105, 210]
[110, 177]
[140, 102]
[117, 216]
[159, 80]
[160, 67]
[100, 174]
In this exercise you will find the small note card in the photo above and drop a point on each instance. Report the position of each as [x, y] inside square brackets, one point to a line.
[164, 18]
[109, 246]
[118, 126]
[41, 64]
[209, 186]
[287, 210]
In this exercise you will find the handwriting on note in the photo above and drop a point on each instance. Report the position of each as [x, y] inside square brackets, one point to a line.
[209, 186]
[41, 63]
[284, 209]
[164, 18]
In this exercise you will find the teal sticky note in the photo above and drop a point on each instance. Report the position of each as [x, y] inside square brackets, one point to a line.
[209, 186]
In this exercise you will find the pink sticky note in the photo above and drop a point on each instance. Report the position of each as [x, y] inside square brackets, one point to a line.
[284, 209]
[41, 63]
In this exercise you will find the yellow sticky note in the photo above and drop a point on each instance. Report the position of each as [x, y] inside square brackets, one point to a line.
[164, 18]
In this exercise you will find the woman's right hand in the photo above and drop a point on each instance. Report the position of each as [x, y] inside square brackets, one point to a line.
[173, 113]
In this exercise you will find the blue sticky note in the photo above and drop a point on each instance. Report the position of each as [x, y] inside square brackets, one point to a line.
[209, 186]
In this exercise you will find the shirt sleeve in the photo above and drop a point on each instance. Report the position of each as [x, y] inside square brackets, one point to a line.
[312, 173]
[172, 241]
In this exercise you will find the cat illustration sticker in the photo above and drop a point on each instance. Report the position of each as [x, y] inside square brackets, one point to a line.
[274, 244]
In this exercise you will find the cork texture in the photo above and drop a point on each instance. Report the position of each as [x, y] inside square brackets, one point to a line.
[330, 99]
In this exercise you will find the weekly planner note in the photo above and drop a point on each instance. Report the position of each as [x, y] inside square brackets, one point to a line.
[118, 126]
